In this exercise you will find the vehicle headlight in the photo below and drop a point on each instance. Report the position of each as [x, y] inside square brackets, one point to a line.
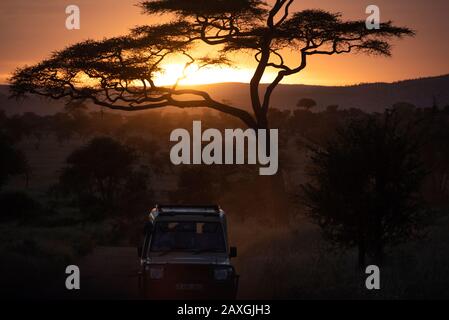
[156, 273]
[221, 274]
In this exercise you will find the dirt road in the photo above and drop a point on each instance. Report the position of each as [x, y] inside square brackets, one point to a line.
[108, 273]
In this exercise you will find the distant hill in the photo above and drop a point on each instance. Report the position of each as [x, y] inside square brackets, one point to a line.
[34, 104]
[372, 97]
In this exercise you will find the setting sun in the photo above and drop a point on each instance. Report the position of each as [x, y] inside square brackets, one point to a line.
[195, 75]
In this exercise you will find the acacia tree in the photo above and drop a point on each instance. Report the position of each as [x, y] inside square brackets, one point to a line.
[119, 73]
[365, 185]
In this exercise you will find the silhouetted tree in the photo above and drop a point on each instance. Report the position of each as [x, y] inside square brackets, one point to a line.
[19, 206]
[303, 120]
[404, 109]
[365, 186]
[119, 73]
[3, 118]
[12, 160]
[75, 106]
[279, 119]
[306, 103]
[332, 108]
[15, 128]
[98, 171]
[436, 152]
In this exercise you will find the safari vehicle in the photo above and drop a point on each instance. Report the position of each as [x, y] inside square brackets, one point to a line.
[186, 255]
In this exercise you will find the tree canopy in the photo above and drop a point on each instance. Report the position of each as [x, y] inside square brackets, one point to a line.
[119, 73]
[99, 168]
[365, 185]
[12, 161]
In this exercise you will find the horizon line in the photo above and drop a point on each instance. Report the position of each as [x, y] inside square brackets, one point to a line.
[307, 85]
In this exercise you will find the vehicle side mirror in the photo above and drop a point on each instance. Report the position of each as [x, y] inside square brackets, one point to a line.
[232, 252]
[139, 251]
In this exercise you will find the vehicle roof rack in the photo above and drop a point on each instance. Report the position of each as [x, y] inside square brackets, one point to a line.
[188, 209]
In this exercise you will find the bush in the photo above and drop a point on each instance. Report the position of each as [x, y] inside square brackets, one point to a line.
[101, 177]
[19, 206]
[12, 161]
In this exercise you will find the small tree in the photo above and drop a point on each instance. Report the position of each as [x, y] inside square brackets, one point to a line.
[332, 108]
[98, 171]
[306, 103]
[21, 207]
[365, 184]
[12, 160]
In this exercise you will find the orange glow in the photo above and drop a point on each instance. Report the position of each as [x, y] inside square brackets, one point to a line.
[29, 35]
[206, 75]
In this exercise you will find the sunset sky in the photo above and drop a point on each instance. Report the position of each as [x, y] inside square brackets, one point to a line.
[31, 30]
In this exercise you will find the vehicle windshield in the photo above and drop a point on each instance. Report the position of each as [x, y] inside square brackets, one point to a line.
[188, 236]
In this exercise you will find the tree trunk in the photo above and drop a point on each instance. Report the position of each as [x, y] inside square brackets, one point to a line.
[272, 188]
[262, 120]
[262, 123]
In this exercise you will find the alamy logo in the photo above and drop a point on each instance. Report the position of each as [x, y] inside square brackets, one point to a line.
[72, 282]
[372, 282]
[373, 20]
[73, 21]
[186, 151]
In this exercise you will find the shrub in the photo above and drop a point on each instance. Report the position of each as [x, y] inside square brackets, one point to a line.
[19, 206]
